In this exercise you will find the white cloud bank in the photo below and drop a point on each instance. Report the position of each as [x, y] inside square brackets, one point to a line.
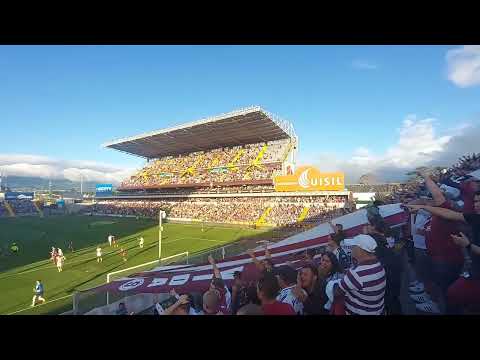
[417, 145]
[46, 167]
[464, 65]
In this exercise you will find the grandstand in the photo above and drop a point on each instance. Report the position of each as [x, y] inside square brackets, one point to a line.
[219, 170]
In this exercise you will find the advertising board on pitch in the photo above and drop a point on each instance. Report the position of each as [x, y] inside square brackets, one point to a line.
[308, 178]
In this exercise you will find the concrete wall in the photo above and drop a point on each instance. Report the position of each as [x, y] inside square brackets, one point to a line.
[135, 303]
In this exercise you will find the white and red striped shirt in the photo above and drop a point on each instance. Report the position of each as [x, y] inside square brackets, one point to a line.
[364, 288]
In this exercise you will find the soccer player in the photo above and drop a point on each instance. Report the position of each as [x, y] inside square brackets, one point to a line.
[99, 254]
[70, 246]
[114, 241]
[53, 255]
[110, 239]
[38, 290]
[59, 261]
[123, 254]
[141, 242]
[14, 248]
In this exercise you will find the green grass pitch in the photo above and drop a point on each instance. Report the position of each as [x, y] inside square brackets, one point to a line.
[35, 236]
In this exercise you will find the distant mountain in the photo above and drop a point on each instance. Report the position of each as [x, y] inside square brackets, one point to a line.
[368, 179]
[20, 183]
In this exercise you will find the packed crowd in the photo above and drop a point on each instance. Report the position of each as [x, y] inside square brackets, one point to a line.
[326, 284]
[20, 207]
[283, 210]
[445, 247]
[3, 210]
[214, 189]
[377, 188]
[214, 166]
[23, 206]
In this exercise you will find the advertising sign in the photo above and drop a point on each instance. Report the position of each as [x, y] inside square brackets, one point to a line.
[19, 195]
[103, 190]
[308, 178]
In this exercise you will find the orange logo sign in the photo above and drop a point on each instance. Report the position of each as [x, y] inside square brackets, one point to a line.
[308, 178]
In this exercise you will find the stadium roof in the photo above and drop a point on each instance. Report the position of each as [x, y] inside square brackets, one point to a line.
[245, 126]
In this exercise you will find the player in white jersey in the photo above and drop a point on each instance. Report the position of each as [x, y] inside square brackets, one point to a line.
[99, 254]
[59, 260]
[110, 238]
[141, 242]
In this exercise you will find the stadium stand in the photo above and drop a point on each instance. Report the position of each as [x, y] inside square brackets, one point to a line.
[236, 154]
[234, 210]
[3, 209]
[23, 207]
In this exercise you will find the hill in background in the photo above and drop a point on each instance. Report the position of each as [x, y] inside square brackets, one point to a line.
[20, 183]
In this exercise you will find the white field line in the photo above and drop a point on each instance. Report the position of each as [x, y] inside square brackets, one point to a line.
[45, 303]
[191, 237]
[196, 238]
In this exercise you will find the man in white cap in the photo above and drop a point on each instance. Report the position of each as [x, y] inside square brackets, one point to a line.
[363, 284]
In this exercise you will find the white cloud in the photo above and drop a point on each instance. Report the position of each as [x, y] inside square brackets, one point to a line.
[417, 145]
[464, 65]
[45, 167]
[363, 65]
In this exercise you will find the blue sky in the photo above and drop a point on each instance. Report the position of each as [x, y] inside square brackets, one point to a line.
[62, 102]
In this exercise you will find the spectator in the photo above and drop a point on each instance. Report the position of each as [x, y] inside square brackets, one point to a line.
[393, 269]
[329, 268]
[122, 309]
[310, 291]
[338, 233]
[250, 309]
[446, 257]
[211, 303]
[240, 296]
[344, 260]
[267, 291]
[310, 256]
[464, 294]
[180, 306]
[364, 284]
[287, 279]
[266, 265]
[421, 261]
[218, 285]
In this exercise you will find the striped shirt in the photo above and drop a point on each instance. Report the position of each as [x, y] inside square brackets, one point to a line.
[286, 296]
[364, 288]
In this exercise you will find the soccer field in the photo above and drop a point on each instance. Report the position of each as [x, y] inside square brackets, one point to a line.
[35, 237]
